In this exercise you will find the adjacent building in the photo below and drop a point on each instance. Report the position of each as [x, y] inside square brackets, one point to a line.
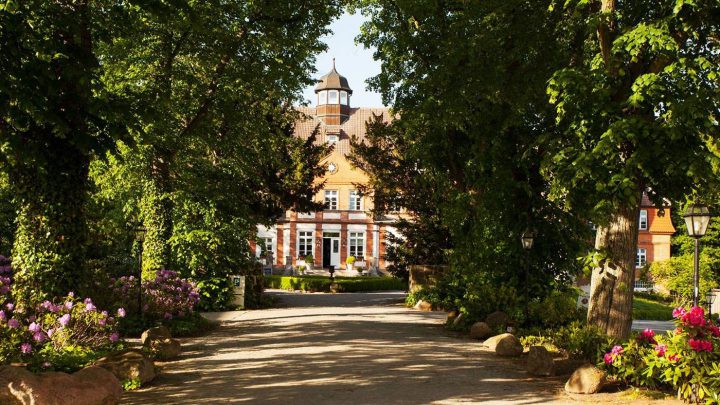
[654, 233]
[345, 227]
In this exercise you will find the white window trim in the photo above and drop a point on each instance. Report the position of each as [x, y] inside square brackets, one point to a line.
[300, 236]
[643, 262]
[343, 98]
[333, 193]
[364, 242]
[643, 226]
[322, 97]
[358, 199]
[330, 99]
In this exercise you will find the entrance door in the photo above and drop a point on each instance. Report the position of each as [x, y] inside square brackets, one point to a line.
[331, 249]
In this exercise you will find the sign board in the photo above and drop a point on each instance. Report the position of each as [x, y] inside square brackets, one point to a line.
[238, 285]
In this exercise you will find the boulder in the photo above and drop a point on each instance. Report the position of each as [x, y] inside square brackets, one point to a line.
[164, 349]
[158, 332]
[497, 320]
[423, 306]
[480, 330]
[505, 344]
[587, 379]
[89, 386]
[540, 361]
[129, 364]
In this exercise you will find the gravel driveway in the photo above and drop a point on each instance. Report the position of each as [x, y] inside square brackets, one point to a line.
[342, 349]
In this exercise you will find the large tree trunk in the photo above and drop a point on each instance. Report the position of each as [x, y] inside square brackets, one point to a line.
[611, 287]
[157, 212]
[51, 236]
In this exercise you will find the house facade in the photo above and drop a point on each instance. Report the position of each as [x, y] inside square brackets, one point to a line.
[654, 233]
[345, 227]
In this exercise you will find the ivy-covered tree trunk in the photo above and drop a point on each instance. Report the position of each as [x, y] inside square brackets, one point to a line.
[611, 288]
[51, 235]
[157, 213]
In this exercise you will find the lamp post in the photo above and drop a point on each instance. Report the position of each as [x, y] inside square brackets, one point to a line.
[140, 238]
[697, 218]
[527, 239]
[710, 299]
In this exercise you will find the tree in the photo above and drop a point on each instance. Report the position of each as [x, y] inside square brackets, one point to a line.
[467, 81]
[637, 111]
[56, 115]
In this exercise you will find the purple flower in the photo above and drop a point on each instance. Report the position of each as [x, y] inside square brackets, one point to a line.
[69, 304]
[89, 307]
[26, 348]
[168, 315]
[50, 332]
[64, 320]
[71, 294]
[114, 337]
[3, 317]
[46, 364]
[47, 304]
[102, 321]
[87, 301]
[13, 323]
[38, 336]
[10, 306]
[34, 327]
[617, 350]
[121, 313]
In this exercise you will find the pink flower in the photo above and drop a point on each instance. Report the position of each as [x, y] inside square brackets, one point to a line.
[121, 313]
[696, 317]
[50, 332]
[89, 307]
[69, 304]
[13, 323]
[700, 345]
[609, 358]
[34, 327]
[26, 348]
[674, 357]
[10, 306]
[661, 349]
[114, 337]
[648, 336]
[46, 364]
[714, 330]
[64, 320]
[3, 317]
[678, 312]
[616, 350]
[38, 336]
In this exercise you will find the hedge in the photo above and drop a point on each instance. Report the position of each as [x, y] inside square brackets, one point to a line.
[343, 284]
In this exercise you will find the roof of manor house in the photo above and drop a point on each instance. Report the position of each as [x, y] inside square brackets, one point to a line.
[354, 125]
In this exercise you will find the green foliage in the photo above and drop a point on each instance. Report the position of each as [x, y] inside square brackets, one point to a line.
[676, 274]
[131, 385]
[576, 340]
[215, 293]
[189, 326]
[651, 310]
[309, 259]
[342, 284]
[559, 308]
[68, 359]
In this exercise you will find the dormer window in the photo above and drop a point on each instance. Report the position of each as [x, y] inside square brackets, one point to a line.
[332, 97]
[322, 97]
[343, 98]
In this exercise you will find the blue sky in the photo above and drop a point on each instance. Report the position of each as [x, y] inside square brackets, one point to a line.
[352, 61]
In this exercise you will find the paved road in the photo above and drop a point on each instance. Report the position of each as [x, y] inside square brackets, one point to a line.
[341, 349]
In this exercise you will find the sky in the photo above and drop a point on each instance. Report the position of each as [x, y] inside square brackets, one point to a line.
[352, 61]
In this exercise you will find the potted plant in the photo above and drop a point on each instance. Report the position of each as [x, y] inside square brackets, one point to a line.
[350, 262]
[309, 261]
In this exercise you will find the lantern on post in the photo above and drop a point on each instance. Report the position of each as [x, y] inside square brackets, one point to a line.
[697, 218]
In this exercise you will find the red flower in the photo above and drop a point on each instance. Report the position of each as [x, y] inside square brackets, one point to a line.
[696, 317]
[700, 345]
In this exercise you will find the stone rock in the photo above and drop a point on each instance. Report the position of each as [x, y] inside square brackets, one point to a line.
[89, 386]
[129, 364]
[158, 332]
[480, 330]
[165, 349]
[505, 344]
[497, 319]
[423, 306]
[540, 361]
[587, 379]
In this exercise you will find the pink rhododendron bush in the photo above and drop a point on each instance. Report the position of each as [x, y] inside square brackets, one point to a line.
[167, 296]
[686, 360]
[64, 334]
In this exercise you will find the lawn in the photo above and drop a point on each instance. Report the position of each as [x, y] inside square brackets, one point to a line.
[342, 284]
[644, 308]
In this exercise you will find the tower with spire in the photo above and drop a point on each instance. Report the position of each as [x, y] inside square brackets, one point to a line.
[333, 98]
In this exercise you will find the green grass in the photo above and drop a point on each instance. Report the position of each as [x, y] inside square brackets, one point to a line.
[343, 284]
[644, 308]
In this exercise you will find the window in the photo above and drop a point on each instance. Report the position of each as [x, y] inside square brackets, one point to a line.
[641, 259]
[332, 97]
[355, 201]
[343, 97]
[322, 97]
[356, 244]
[332, 139]
[305, 243]
[266, 245]
[643, 220]
[331, 199]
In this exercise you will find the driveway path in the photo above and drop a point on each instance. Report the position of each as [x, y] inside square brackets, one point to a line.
[341, 349]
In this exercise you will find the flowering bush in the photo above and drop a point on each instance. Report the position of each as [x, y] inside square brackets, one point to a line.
[48, 333]
[686, 359]
[166, 297]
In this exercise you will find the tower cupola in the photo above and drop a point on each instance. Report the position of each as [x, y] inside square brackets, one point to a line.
[333, 97]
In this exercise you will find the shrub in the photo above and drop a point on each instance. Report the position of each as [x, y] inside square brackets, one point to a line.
[576, 340]
[685, 360]
[350, 260]
[557, 309]
[343, 284]
[165, 297]
[309, 259]
[676, 274]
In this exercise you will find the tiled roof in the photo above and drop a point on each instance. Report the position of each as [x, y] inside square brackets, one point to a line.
[353, 125]
[646, 203]
[333, 80]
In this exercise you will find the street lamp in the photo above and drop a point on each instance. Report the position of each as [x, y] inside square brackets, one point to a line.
[140, 238]
[710, 299]
[697, 218]
[527, 239]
